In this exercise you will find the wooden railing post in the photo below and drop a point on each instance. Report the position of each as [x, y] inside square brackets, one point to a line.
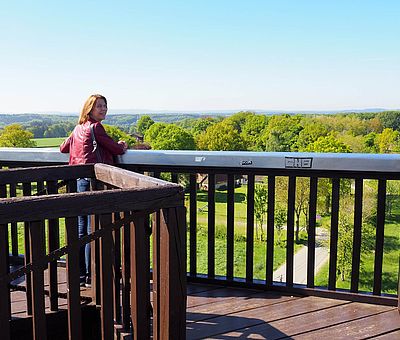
[170, 275]
[106, 281]
[36, 236]
[5, 314]
[140, 277]
[73, 295]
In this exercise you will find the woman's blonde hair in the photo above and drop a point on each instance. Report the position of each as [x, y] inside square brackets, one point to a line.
[88, 106]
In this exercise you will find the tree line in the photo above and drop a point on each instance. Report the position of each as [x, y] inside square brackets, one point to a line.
[350, 132]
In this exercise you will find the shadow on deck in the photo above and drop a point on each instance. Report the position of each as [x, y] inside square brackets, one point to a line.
[228, 313]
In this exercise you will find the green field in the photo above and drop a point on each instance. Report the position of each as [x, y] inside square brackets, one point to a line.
[48, 142]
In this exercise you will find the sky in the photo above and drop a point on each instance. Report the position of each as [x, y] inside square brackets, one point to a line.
[200, 55]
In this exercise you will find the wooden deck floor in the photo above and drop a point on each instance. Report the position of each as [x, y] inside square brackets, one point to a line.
[226, 313]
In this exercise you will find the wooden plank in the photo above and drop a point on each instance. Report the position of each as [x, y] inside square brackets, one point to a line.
[230, 226]
[308, 322]
[140, 278]
[247, 318]
[95, 262]
[5, 313]
[193, 224]
[334, 233]
[250, 227]
[53, 244]
[211, 226]
[106, 256]
[122, 178]
[171, 275]
[364, 328]
[311, 231]
[270, 231]
[356, 257]
[36, 237]
[380, 236]
[14, 225]
[27, 191]
[156, 225]
[290, 231]
[45, 173]
[86, 203]
[126, 273]
[73, 292]
[117, 270]
[221, 302]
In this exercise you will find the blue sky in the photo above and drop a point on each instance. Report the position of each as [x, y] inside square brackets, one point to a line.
[200, 55]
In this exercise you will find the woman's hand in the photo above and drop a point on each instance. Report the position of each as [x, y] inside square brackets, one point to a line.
[124, 144]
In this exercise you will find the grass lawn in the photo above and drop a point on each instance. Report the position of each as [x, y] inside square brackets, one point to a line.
[48, 142]
[259, 261]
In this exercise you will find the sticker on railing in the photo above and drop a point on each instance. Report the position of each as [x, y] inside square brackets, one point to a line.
[199, 159]
[246, 162]
[298, 162]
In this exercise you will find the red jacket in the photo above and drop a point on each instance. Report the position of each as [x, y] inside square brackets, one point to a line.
[80, 145]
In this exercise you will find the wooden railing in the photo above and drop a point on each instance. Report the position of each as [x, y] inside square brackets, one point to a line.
[380, 168]
[120, 250]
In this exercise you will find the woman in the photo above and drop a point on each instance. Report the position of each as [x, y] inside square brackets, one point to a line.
[82, 151]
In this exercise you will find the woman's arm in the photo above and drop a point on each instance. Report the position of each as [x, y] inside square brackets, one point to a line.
[64, 147]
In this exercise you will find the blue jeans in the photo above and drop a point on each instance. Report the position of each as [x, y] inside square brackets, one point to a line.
[83, 184]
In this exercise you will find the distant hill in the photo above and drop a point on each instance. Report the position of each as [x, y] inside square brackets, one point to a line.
[203, 112]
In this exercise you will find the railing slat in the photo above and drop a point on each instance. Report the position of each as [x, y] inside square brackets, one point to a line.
[156, 225]
[5, 302]
[193, 225]
[230, 227]
[53, 244]
[250, 227]
[334, 233]
[106, 284]
[356, 257]
[311, 232]
[27, 191]
[73, 293]
[126, 273]
[14, 225]
[290, 230]
[36, 233]
[211, 226]
[270, 231]
[140, 279]
[117, 270]
[380, 236]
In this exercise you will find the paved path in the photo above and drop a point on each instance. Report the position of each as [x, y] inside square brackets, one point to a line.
[300, 261]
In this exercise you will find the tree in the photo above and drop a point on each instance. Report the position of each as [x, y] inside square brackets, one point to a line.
[388, 141]
[163, 136]
[238, 119]
[221, 137]
[200, 126]
[15, 136]
[144, 123]
[328, 144]
[252, 131]
[346, 232]
[260, 207]
[117, 134]
[311, 132]
[302, 198]
[390, 119]
[281, 133]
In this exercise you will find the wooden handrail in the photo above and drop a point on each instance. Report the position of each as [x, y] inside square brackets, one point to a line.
[135, 196]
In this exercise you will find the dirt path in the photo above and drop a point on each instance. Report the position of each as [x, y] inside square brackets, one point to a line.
[300, 261]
